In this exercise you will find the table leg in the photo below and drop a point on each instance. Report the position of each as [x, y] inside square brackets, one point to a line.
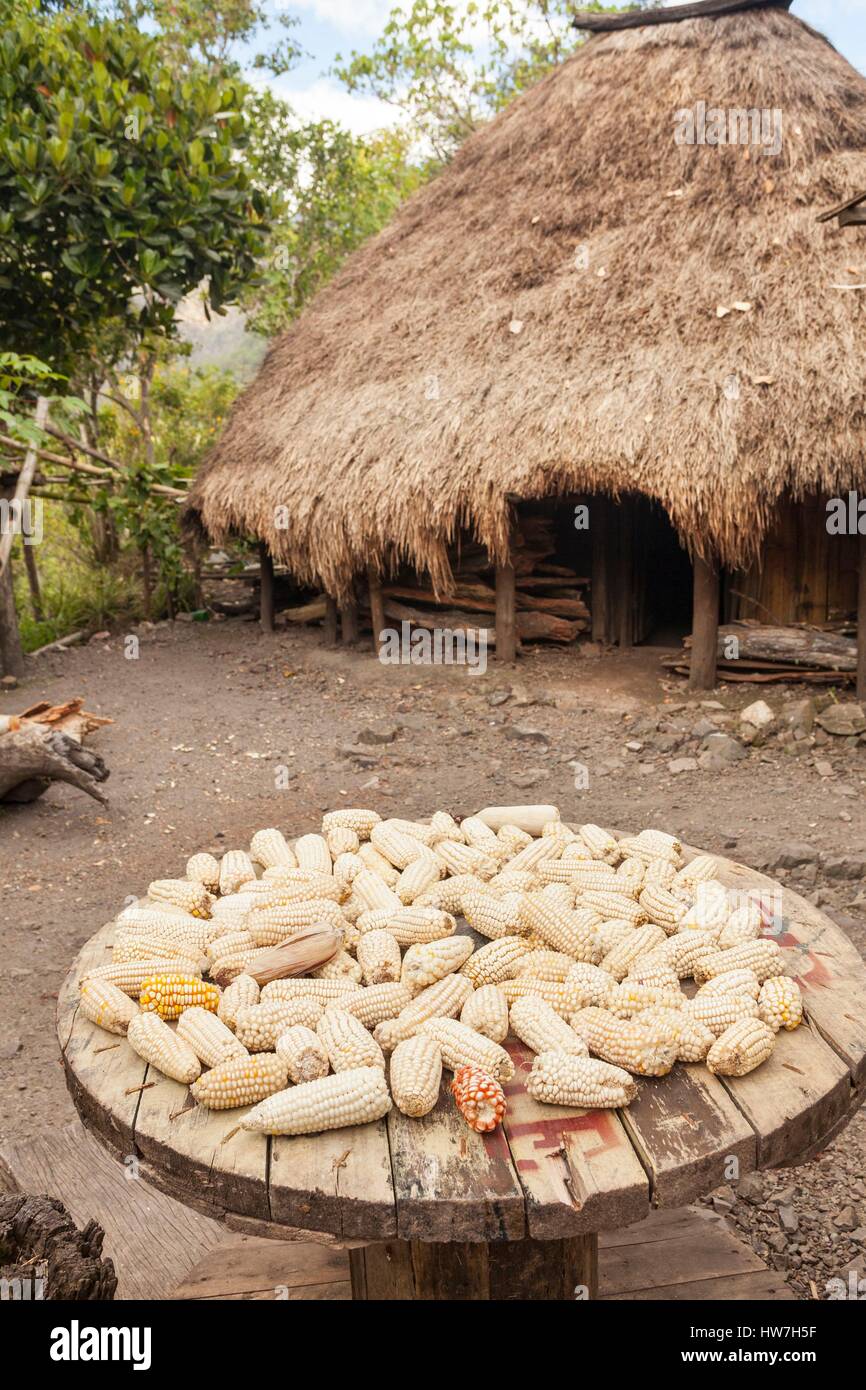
[520, 1269]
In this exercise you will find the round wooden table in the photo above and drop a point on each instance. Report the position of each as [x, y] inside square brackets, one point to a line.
[430, 1209]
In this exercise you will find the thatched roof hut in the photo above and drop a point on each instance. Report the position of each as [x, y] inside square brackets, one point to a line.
[562, 310]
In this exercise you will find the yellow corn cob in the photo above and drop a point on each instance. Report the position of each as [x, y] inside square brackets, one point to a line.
[692, 1038]
[373, 892]
[271, 849]
[711, 908]
[490, 915]
[681, 952]
[416, 878]
[780, 1003]
[495, 962]
[478, 835]
[661, 873]
[204, 869]
[240, 1081]
[543, 1029]
[236, 869]
[169, 994]
[462, 1046]
[509, 881]
[378, 864]
[662, 908]
[447, 894]
[160, 1047]
[444, 999]
[341, 966]
[379, 957]
[588, 985]
[430, 961]
[702, 867]
[258, 1026]
[341, 840]
[718, 1011]
[624, 1043]
[325, 991]
[443, 826]
[744, 924]
[347, 1042]
[732, 982]
[631, 876]
[410, 925]
[270, 925]
[351, 818]
[466, 859]
[346, 869]
[642, 940]
[535, 854]
[242, 991]
[107, 1006]
[377, 1002]
[764, 957]
[416, 1075]
[513, 839]
[395, 845]
[210, 1039]
[650, 969]
[180, 892]
[626, 999]
[568, 932]
[146, 947]
[562, 1078]
[130, 975]
[348, 1098]
[600, 843]
[741, 1048]
[546, 965]
[487, 1012]
[303, 1052]
[282, 885]
[312, 853]
[580, 874]
[613, 907]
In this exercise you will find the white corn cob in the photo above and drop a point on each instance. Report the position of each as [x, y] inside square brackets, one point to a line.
[710, 909]
[271, 849]
[258, 1026]
[780, 1003]
[624, 1043]
[348, 1098]
[444, 999]
[226, 968]
[347, 1042]
[236, 869]
[702, 867]
[657, 844]
[576, 849]
[430, 961]
[448, 892]
[642, 940]
[681, 952]
[377, 1002]
[379, 957]
[229, 944]
[156, 916]
[130, 975]
[561, 997]
[325, 991]
[443, 826]
[181, 893]
[341, 966]
[495, 962]
[559, 895]
[204, 869]
[281, 885]
[487, 1012]
[631, 876]
[741, 1048]
[351, 818]
[732, 982]
[395, 845]
[160, 1047]
[107, 1006]
[569, 932]
[650, 969]
[341, 840]
[663, 874]
[311, 852]
[509, 881]
[373, 892]
[546, 965]
[562, 1078]
[543, 1029]
[558, 830]
[190, 932]
[744, 924]
[462, 1046]
[416, 1075]
[346, 869]
[662, 907]
[229, 914]
[143, 947]
[410, 925]
[692, 1038]
[626, 999]
[423, 833]
[416, 878]
[513, 839]
[582, 874]
[588, 985]
[242, 991]
[600, 843]
[466, 859]
[764, 957]
[478, 834]
[378, 864]
[718, 1011]
[490, 915]
[534, 854]
[304, 1054]
[211, 1040]
[268, 926]
[240, 1081]
[610, 934]
[613, 907]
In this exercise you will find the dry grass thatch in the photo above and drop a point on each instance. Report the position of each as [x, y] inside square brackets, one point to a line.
[402, 405]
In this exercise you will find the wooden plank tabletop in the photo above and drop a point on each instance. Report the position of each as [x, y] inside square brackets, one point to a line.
[549, 1173]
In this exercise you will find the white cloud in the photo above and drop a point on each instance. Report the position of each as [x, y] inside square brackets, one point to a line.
[324, 98]
[346, 16]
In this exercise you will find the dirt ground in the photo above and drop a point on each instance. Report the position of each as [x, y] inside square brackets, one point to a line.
[220, 730]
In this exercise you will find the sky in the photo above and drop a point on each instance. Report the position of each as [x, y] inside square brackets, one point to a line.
[330, 27]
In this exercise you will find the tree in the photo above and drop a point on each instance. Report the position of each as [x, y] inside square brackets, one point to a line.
[122, 185]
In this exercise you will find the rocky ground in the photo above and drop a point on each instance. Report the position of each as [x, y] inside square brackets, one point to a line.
[220, 730]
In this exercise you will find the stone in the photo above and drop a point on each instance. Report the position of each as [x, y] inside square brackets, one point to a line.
[724, 747]
[9, 682]
[526, 734]
[778, 1242]
[721, 1207]
[793, 855]
[529, 778]
[9, 1048]
[683, 765]
[844, 718]
[378, 733]
[823, 768]
[759, 715]
[358, 755]
[707, 704]
[845, 866]
[788, 1220]
[847, 1219]
[751, 1188]
[704, 727]
[634, 745]
[799, 716]
[498, 697]
[665, 743]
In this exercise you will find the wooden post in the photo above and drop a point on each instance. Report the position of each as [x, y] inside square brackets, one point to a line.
[266, 603]
[861, 624]
[33, 581]
[599, 593]
[518, 1270]
[349, 620]
[623, 537]
[506, 610]
[11, 653]
[705, 625]
[377, 605]
[330, 625]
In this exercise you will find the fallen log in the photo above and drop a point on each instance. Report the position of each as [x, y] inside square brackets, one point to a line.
[788, 646]
[43, 1255]
[312, 612]
[531, 626]
[34, 755]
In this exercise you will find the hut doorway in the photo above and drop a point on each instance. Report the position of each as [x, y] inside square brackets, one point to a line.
[641, 574]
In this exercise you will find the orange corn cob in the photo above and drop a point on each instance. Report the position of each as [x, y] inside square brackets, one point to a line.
[479, 1098]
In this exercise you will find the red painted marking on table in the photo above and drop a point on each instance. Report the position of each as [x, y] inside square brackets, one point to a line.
[811, 972]
[546, 1134]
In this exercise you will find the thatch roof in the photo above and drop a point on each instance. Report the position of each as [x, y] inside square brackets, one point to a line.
[404, 404]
